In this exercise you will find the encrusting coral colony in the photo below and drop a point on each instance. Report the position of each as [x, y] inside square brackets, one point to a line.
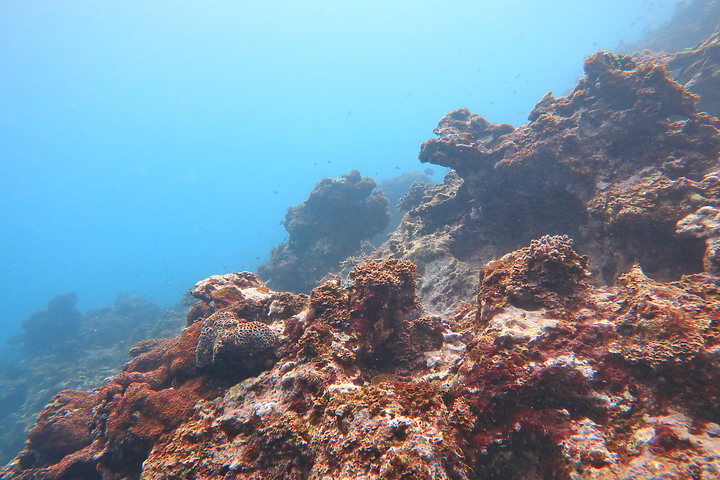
[590, 351]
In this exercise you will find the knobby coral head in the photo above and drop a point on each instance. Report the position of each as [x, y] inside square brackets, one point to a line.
[543, 274]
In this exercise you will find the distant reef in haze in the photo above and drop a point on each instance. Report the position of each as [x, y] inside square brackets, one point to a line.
[692, 22]
[549, 311]
[60, 348]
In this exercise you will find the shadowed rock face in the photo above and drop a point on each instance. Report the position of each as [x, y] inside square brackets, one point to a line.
[330, 225]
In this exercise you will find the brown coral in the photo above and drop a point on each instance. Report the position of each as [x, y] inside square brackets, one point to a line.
[227, 342]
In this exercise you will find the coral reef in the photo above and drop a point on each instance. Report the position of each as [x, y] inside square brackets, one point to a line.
[321, 233]
[615, 165]
[542, 376]
[91, 349]
[53, 329]
[551, 310]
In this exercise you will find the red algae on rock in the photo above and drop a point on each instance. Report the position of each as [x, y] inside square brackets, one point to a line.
[555, 379]
[479, 341]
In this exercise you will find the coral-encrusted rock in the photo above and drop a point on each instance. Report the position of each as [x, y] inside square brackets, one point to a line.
[247, 294]
[382, 298]
[615, 165]
[705, 224]
[661, 324]
[545, 274]
[330, 225]
[557, 379]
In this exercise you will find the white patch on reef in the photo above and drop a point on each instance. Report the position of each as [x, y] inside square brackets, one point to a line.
[254, 294]
[572, 362]
[343, 389]
[519, 326]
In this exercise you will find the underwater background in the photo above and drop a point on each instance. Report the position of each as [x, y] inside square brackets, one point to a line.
[144, 146]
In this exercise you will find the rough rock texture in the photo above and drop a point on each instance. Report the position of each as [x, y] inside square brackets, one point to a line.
[615, 165]
[705, 224]
[321, 233]
[697, 69]
[446, 357]
[543, 376]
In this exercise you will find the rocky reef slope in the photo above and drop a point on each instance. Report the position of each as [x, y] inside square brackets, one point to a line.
[541, 376]
[479, 342]
[61, 349]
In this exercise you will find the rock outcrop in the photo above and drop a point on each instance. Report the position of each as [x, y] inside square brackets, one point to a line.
[329, 226]
[615, 165]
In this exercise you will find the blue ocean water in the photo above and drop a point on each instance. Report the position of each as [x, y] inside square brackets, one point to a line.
[147, 145]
